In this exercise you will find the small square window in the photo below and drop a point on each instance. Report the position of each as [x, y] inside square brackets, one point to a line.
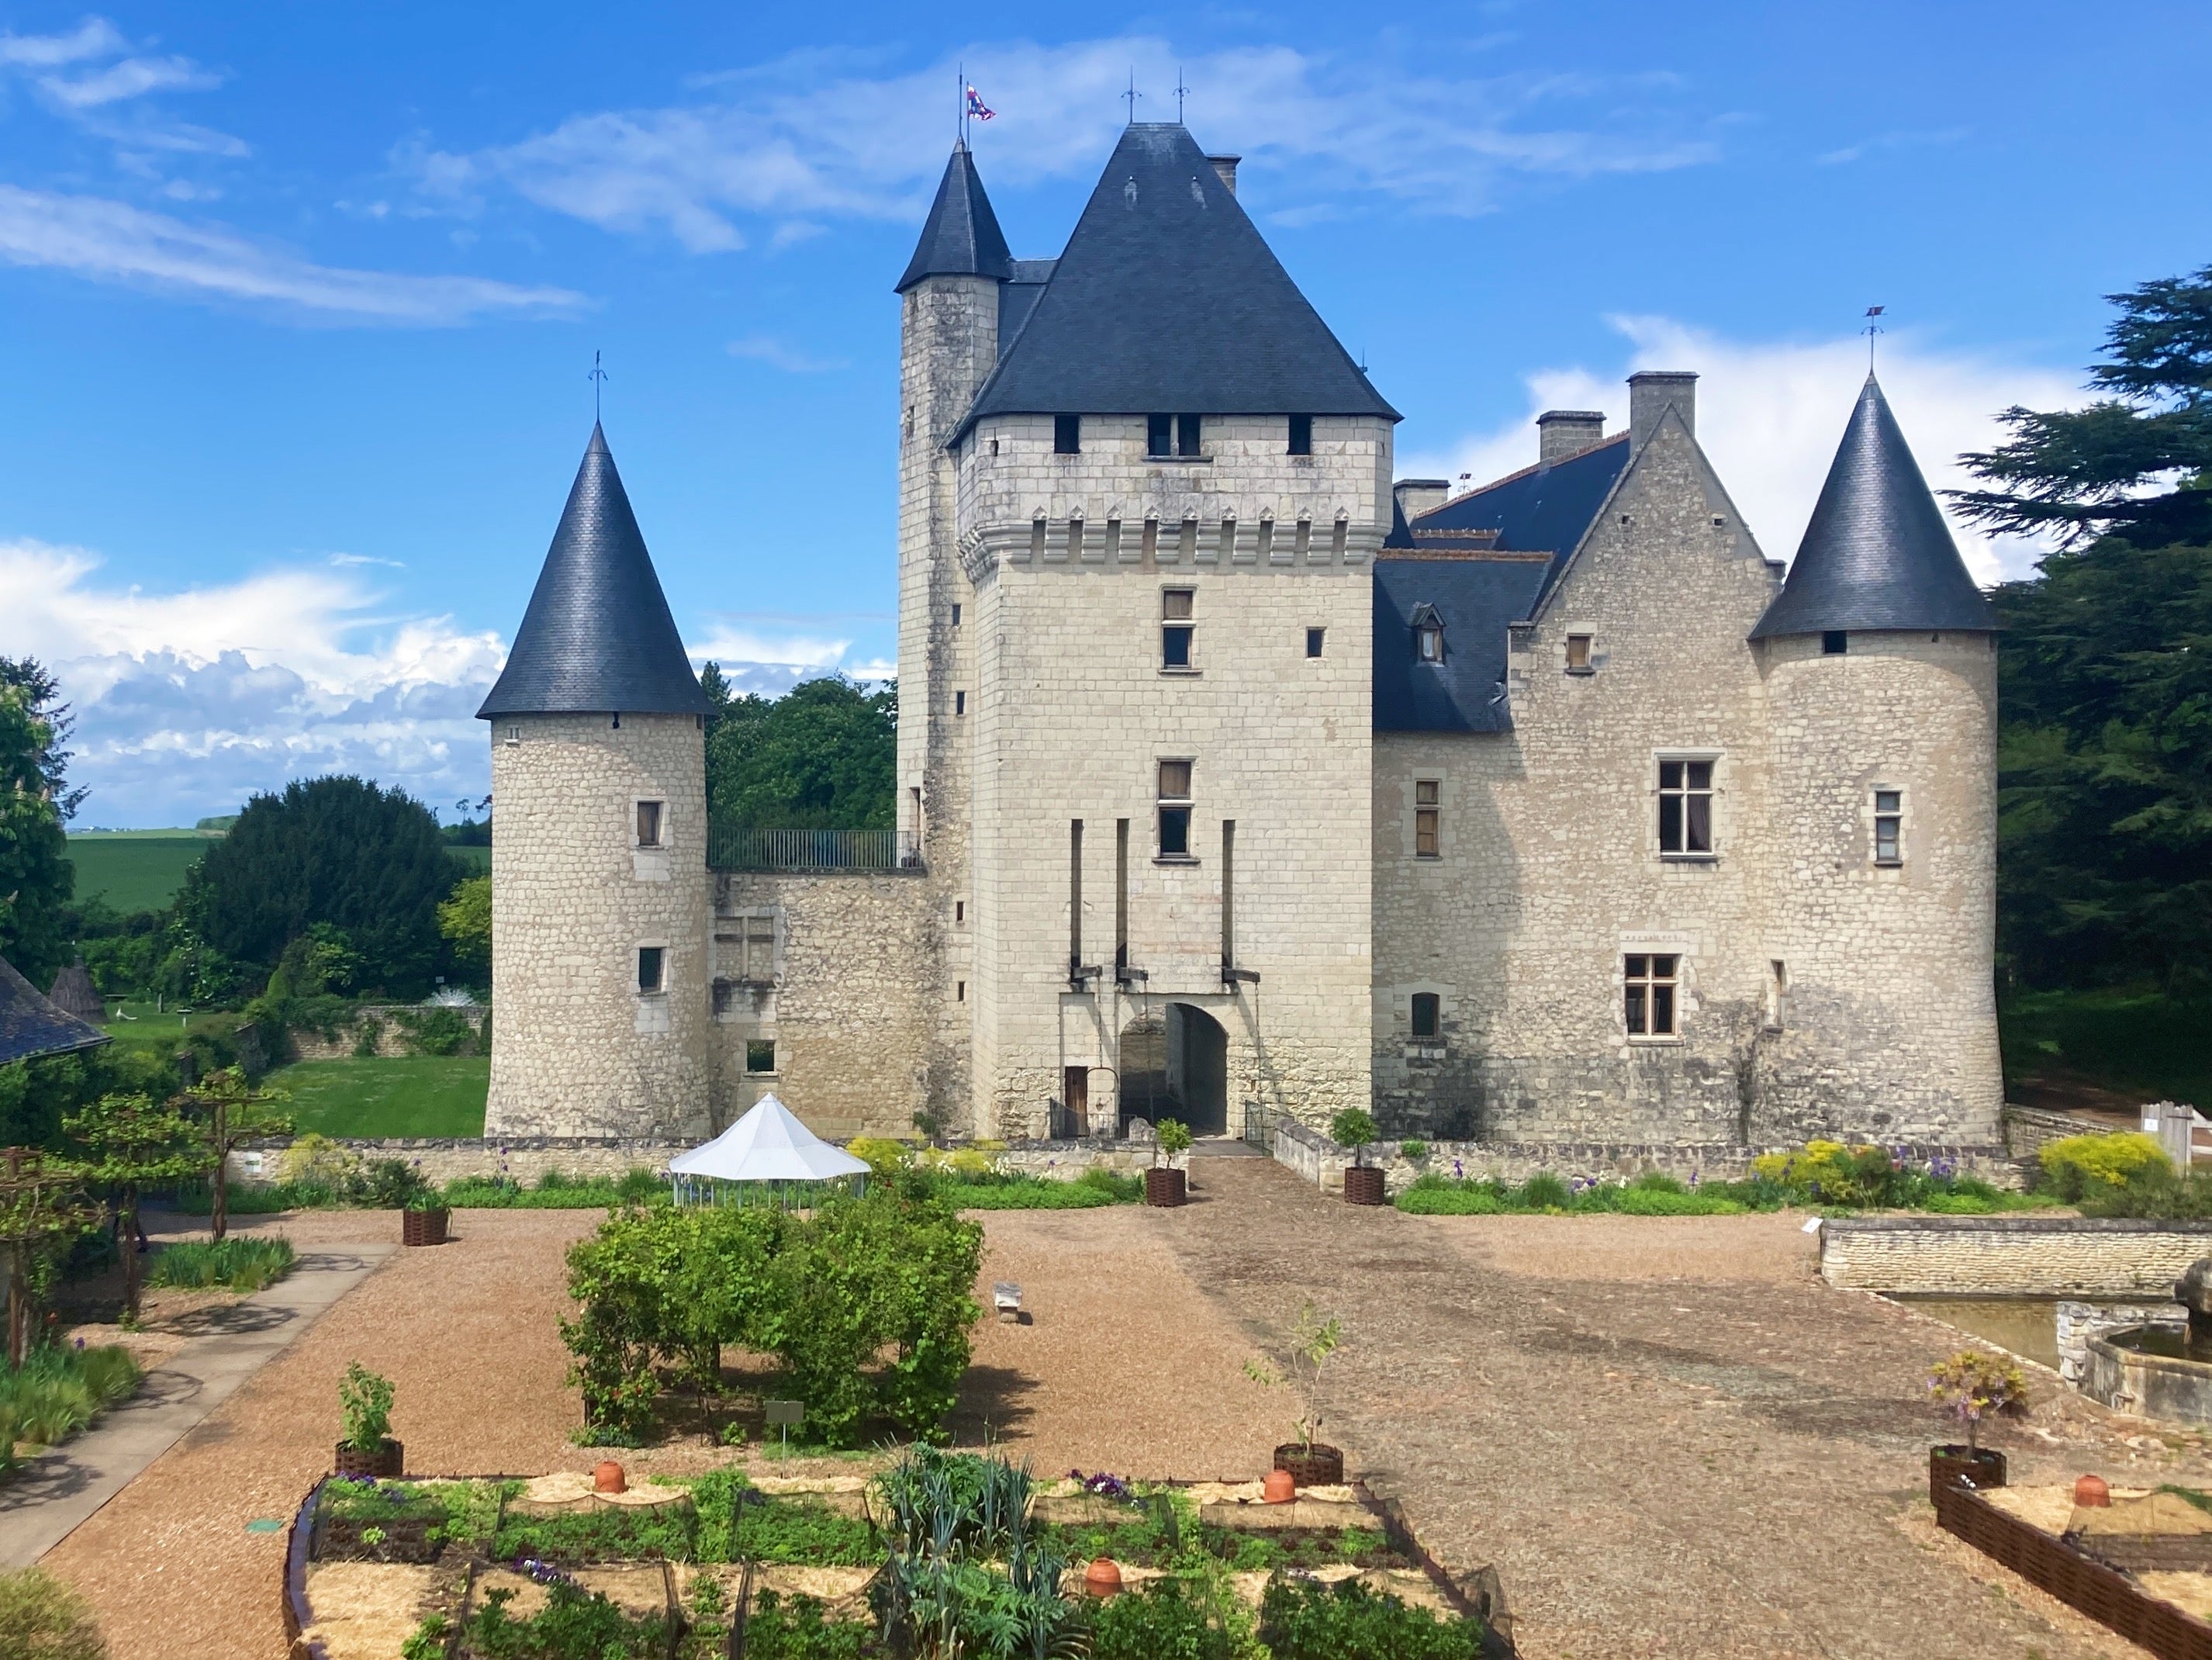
[1428, 1009]
[648, 823]
[1835, 642]
[1650, 983]
[1067, 434]
[1578, 653]
[1176, 604]
[1188, 434]
[1316, 638]
[1301, 435]
[651, 969]
[1159, 434]
[1174, 781]
[760, 1054]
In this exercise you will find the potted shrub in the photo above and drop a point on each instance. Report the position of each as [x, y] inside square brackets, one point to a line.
[1309, 1462]
[365, 1406]
[423, 1221]
[1362, 1183]
[1164, 1184]
[1971, 1386]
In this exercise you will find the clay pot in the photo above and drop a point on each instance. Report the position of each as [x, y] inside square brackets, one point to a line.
[423, 1227]
[1103, 1578]
[1166, 1188]
[609, 1477]
[1280, 1488]
[2090, 1493]
[1955, 1466]
[1319, 1465]
[1364, 1185]
[386, 1464]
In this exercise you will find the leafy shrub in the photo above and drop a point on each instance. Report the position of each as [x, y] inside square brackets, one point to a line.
[58, 1391]
[1544, 1191]
[1446, 1198]
[41, 1619]
[2153, 1194]
[880, 1154]
[389, 1184]
[2080, 1165]
[575, 1623]
[239, 1264]
[1300, 1619]
[365, 1406]
[317, 1160]
[1414, 1153]
[1088, 1191]
[1656, 1181]
[796, 1629]
[368, 1037]
[1353, 1128]
[435, 1031]
[1163, 1621]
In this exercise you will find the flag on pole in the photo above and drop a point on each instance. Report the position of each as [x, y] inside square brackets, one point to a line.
[1872, 311]
[976, 107]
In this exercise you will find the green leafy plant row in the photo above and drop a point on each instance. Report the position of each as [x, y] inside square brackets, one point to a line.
[58, 1391]
[237, 1264]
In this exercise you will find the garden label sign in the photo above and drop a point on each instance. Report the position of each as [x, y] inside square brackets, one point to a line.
[786, 1415]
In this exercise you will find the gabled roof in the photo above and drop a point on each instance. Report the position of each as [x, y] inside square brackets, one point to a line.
[598, 637]
[1475, 599]
[961, 237]
[31, 1026]
[73, 992]
[1167, 298]
[1017, 297]
[1546, 508]
[1877, 553]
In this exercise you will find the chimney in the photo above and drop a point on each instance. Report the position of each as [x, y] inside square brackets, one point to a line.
[1649, 392]
[1225, 167]
[1569, 432]
[1419, 496]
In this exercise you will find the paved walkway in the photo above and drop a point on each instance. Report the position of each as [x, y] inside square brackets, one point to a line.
[52, 1493]
[1666, 1447]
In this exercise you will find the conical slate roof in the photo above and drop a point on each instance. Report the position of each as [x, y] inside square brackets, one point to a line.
[1168, 301]
[961, 237]
[73, 992]
[1877, 554]
[598, 637]
[31, 1026]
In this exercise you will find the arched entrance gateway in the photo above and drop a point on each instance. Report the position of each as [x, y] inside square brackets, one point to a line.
[1174, 1064]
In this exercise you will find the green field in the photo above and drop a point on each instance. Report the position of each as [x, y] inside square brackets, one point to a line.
[479, 860]
[134, 870]
[400, 1094]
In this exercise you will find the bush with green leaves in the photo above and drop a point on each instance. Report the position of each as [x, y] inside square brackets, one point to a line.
[1353, 1128]
[236, 1264]
[1164, 1620]
[440, 1030]
[2078, 1167]
[41, 1619]
[365, 1406]
[390, 1185]
[58, 1391]
[1303, 1619]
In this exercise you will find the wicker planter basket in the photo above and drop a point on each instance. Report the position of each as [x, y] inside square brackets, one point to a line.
[424, 1227]
[1166, 1188]
[1319, 1465]
[386, 1464]
[1364, 1185]
[1950, 1466]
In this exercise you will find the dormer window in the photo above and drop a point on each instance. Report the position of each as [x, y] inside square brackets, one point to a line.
[1428, 635]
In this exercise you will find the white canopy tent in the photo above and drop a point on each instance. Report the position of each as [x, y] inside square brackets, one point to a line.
[760, 1156]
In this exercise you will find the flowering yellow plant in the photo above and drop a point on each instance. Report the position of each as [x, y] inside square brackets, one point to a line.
[1971, 1386]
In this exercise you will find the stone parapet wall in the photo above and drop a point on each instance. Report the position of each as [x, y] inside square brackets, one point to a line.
[2011, 1255]
[391, 1039]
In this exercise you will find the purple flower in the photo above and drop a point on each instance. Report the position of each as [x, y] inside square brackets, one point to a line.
[1459, 1171]
[80, 1343]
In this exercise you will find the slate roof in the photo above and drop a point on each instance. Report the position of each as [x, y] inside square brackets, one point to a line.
[961, 237]
[598, 637]
[1167, 298]
[31, 1026]
[1475, 599]
[1877, 553]
[1540, 509]
[73, 992]
[1017, 297]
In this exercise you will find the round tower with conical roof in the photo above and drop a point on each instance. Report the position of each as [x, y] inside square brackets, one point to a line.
[1880, 663]
[600, 987]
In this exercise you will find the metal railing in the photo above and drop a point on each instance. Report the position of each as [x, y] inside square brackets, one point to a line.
[745, 847]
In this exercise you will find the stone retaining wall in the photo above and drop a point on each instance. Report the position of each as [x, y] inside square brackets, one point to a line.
[2028, 1130]
[391, 1040]
[2012, 1255]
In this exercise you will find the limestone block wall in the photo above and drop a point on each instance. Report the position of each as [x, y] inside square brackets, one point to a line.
[2011, 1255]
[851, 1009]
[521, 1159]
[576, 1049]
[390, 1037]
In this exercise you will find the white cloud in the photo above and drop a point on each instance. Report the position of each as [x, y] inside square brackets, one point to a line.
[132, 77]
[112, 240]
[780, 355]
[727, 643]
[857, 145]
[1770, 414]
[94, 38]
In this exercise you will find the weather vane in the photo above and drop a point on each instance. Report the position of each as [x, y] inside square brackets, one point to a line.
[1181, 91]
[597, 378]
[1871, 329]
[1132, 96]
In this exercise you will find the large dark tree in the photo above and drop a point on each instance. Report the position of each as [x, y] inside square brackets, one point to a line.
[340, 852]
[36, 877]
[2104, 872]
[824, 756]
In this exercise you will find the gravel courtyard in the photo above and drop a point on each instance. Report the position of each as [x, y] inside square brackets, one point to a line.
[1666, 1435]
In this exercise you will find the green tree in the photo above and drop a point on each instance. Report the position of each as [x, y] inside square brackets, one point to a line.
[824, 756]
[232, 1112]
[339, 851]
[131, 1145]
[42, 697]
[36, 877]
[465, 921]
[41, 1209]
[2105, 868]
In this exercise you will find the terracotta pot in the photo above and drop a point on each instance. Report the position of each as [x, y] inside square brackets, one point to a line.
[1103, 1578]
[1319, 1465]
[2090, 1493]
[384, 1463]
[423, 1227]
[1166, 1188]
[1954, 1465]
[1280, 1488]
[609, 1477]
[1364, 1185]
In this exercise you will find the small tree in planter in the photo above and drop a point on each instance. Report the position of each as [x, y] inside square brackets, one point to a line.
[1355, 1128]
[365, 1410]
[1971, 1386]
[235, 1112]
[1316, 1336]
[1163, 1183]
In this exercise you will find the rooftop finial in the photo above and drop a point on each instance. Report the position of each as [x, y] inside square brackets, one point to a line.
[1132, 94]
[1182, 92]
[1871, 329]
[597, 378]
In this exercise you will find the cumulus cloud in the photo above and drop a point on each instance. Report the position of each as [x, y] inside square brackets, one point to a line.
[113, 242]
[1770, 414]
[94, 38]
[812, 137]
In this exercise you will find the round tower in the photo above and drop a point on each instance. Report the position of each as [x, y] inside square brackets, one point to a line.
[1879, 662]
[600, 984]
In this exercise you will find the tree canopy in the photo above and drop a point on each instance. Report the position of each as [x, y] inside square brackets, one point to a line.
[2105, 870]
[36, 877]
[367, 863]
[824, 756]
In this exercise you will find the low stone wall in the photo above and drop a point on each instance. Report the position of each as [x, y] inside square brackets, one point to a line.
[2077, 1323]
[2012, 1255]
[391, 1039]
[2028, 1130]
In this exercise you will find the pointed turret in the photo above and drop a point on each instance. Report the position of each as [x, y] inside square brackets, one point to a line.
[598, 637]
[962, 236]
[1877, 554]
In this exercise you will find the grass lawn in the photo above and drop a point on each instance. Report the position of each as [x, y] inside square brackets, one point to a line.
[134, 870]
[402, 1095]
[2128, 1043]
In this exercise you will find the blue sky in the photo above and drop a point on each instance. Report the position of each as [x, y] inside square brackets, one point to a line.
[297, 303]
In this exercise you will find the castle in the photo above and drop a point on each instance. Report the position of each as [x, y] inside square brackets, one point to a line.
[1237, 780]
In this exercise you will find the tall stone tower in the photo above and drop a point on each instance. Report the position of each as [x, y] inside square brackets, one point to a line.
[1879, 658]
[599, 900]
